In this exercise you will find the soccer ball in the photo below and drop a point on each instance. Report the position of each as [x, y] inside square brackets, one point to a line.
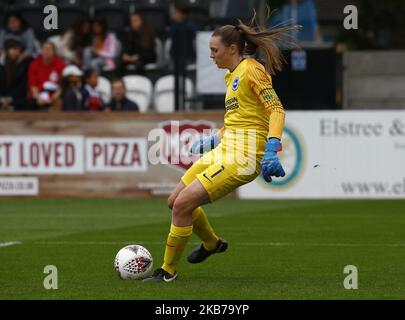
[133, 262]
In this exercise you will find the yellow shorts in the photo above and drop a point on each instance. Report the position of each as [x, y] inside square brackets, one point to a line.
[218, 175]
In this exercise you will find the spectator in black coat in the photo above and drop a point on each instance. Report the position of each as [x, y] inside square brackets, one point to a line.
[13, 77]
[72, 97]
[183, 36]
[139, 45]
[119, 101]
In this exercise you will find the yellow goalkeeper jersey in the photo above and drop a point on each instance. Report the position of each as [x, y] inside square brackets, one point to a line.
[251, 103]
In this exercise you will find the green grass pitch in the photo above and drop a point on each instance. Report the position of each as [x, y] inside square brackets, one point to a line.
[278, 249]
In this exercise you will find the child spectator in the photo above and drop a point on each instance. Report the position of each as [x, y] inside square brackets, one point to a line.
[92, 99]
[72, 97]
[102, 54]
[119, 101]
[44, 78]
[13, 77]
[139, 45]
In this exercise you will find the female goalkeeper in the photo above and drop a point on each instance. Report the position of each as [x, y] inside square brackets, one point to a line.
[247, 144]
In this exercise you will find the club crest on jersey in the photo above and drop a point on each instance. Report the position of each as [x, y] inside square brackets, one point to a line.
[235, 84]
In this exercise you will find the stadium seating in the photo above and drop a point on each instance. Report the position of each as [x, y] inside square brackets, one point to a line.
[104, 86]
[72, 11]
[26, 3]
[165, 4]
[115, 11]
[197, 3]
[198, 12]
[156, 13]
[167, 60]
[139, 90]
[2, 14]
[241, 9]
[32, 12]
[164, 93]
[159, 57]
[222, 13]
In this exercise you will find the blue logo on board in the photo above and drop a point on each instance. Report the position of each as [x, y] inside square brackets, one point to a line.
[292, 159]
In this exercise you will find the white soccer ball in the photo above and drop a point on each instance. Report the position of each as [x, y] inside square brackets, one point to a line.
[133, 262]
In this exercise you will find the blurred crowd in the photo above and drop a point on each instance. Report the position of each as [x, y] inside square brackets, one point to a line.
[62, 72]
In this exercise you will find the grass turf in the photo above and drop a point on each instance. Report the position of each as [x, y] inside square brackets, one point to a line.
[278, 249]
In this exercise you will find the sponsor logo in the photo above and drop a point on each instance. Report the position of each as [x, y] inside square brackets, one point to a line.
[231, 104]
[169, 279]
[292, 159]
[178, 137]
[235, 84]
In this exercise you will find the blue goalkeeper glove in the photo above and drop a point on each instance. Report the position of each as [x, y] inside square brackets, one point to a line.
[205, 144]
[271, 166]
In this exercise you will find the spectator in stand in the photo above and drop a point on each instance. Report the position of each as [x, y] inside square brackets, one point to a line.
[44, 79]
[183, 36]
[119, 101]
[139, 45]
[16, 28]
[13, 77]
[92, 98]
[72, 97]
[301, 12]
[71, 44]
[105, 48]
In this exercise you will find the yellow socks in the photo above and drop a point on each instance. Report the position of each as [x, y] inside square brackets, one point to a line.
[178, 237]
[176, 241]
[203, 229]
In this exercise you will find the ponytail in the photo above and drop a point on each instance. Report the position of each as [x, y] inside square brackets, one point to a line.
[252, 39]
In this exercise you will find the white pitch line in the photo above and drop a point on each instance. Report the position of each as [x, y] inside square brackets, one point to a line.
[253, 244]
[288, 244]
[9, 244]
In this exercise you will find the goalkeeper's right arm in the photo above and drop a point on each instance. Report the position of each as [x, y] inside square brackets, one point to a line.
[203, 145]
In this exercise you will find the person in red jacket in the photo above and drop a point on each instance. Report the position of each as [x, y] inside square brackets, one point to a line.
[44, 79]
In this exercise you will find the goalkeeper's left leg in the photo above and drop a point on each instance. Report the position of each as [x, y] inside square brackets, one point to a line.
[201, 226]
[186, 202]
